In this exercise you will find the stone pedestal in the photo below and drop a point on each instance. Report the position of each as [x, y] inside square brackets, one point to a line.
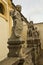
[37, 50]
[30, 42]
[14, 48]
[36, 45]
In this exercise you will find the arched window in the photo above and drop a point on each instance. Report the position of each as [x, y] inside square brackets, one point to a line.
[2, 9]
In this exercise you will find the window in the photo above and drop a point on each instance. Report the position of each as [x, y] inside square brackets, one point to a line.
[2, 9]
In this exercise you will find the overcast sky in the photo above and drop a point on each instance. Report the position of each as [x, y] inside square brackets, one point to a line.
[31, 9]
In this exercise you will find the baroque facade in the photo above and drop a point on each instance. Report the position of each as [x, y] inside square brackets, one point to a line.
[23, 39]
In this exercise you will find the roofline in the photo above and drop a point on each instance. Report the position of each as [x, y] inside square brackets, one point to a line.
[38, 23]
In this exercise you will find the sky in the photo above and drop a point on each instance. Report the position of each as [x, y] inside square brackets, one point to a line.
[31, 9]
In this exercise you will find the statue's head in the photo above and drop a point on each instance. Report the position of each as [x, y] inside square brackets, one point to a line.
[31, 22]
[36, 28]
[31, 25]
[18, 7]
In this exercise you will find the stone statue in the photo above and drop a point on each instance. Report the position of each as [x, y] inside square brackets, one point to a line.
[17, 22]
[30, 29]
[15, 41]
[36, 33]
[32, 32]
[31, 25]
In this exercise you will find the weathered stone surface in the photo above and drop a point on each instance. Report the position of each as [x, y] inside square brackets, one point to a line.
[10, 61]
[36, 45]
[15, 42]
[14, 48]
[30, 29]
[17, 22]
[28, 57]
[24, 60]
[33, 41]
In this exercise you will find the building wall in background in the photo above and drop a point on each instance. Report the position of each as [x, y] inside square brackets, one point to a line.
[40, 29]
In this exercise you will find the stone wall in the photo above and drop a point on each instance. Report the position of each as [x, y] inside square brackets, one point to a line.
[3, 38]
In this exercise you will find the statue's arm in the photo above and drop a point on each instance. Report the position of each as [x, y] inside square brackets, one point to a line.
[12, 13]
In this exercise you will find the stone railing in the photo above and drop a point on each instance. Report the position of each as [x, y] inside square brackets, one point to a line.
[26, 59]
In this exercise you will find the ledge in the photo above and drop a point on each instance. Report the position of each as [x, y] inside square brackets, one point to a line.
[4, 17]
